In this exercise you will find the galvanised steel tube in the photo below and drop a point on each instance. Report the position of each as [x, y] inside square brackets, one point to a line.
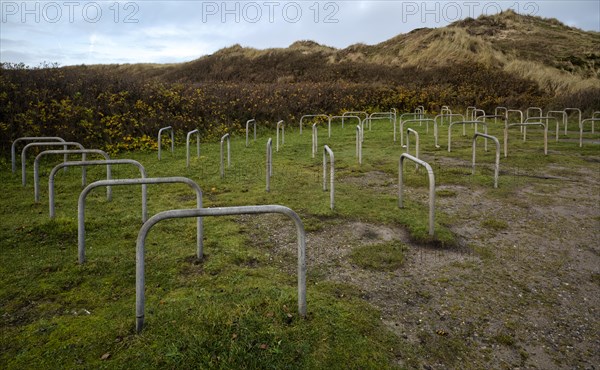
[564, 118]
[310, 116]
[226, 136]
[592, 120]
[469, 113]
[525, 125]
[359, 143]
[404, 156]
[315, 139]
[497, 163]
[36, 168]
[408, 131]
[247, 126]
[24, 154]
[462, 123]
[13, 147]
[420, 120]
[353, 113]
[187, 146]
[97, 163]
[442, 116]
[269, 169]
[342, 117]
[537, 109]
[282, 125]
[172, 139]
[546, 118]
[148, 181]
[381, 116]
[326, 151]
[204, 212]
[573, 110]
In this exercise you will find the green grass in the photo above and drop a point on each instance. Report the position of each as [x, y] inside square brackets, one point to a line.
[379, 257]
[237, 308]
[494, 224]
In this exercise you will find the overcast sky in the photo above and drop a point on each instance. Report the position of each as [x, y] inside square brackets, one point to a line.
[92, 32]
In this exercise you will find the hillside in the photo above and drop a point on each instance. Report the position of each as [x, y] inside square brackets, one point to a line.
[555, 56]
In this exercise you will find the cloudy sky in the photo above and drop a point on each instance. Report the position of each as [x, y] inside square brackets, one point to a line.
[91, 32]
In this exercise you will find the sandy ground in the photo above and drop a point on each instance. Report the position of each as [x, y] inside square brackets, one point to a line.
[525, 294]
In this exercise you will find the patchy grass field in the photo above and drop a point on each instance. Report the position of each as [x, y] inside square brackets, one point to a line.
[510, 278]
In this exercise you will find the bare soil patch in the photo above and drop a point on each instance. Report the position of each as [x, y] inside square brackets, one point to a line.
[522, 291]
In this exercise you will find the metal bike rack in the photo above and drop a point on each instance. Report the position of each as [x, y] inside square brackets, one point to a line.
[413, 116]
[226, 136]
[97, 163]
[13, 147]
[450, 117]
[442, 116]
[282, 125]
[354, 114]
[36, 168]
[247, 125]
[342, 117]
[462, 123]
[404, 156]
[315, 139]
[485, 117]
[330, 118]
[359, 143]
[144, 181]
[520, 113]
[204, 212]
[420, 120]
[469, 113]
[408, 131]
[327, 151]
[395, 114]
[310, 116]
[383, 116]
[187, 146]
[566, 110]
[592, 120]
[534, 109]
[476, 111]
[30, 145]
[269, 169]
[445, 110]
[420, 110]
[525, 125]
[505, 114]
[546, 118]
[564, 119]
[497, 163]
[168, 128]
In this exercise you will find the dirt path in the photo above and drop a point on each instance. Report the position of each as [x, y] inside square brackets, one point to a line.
[523, 290]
